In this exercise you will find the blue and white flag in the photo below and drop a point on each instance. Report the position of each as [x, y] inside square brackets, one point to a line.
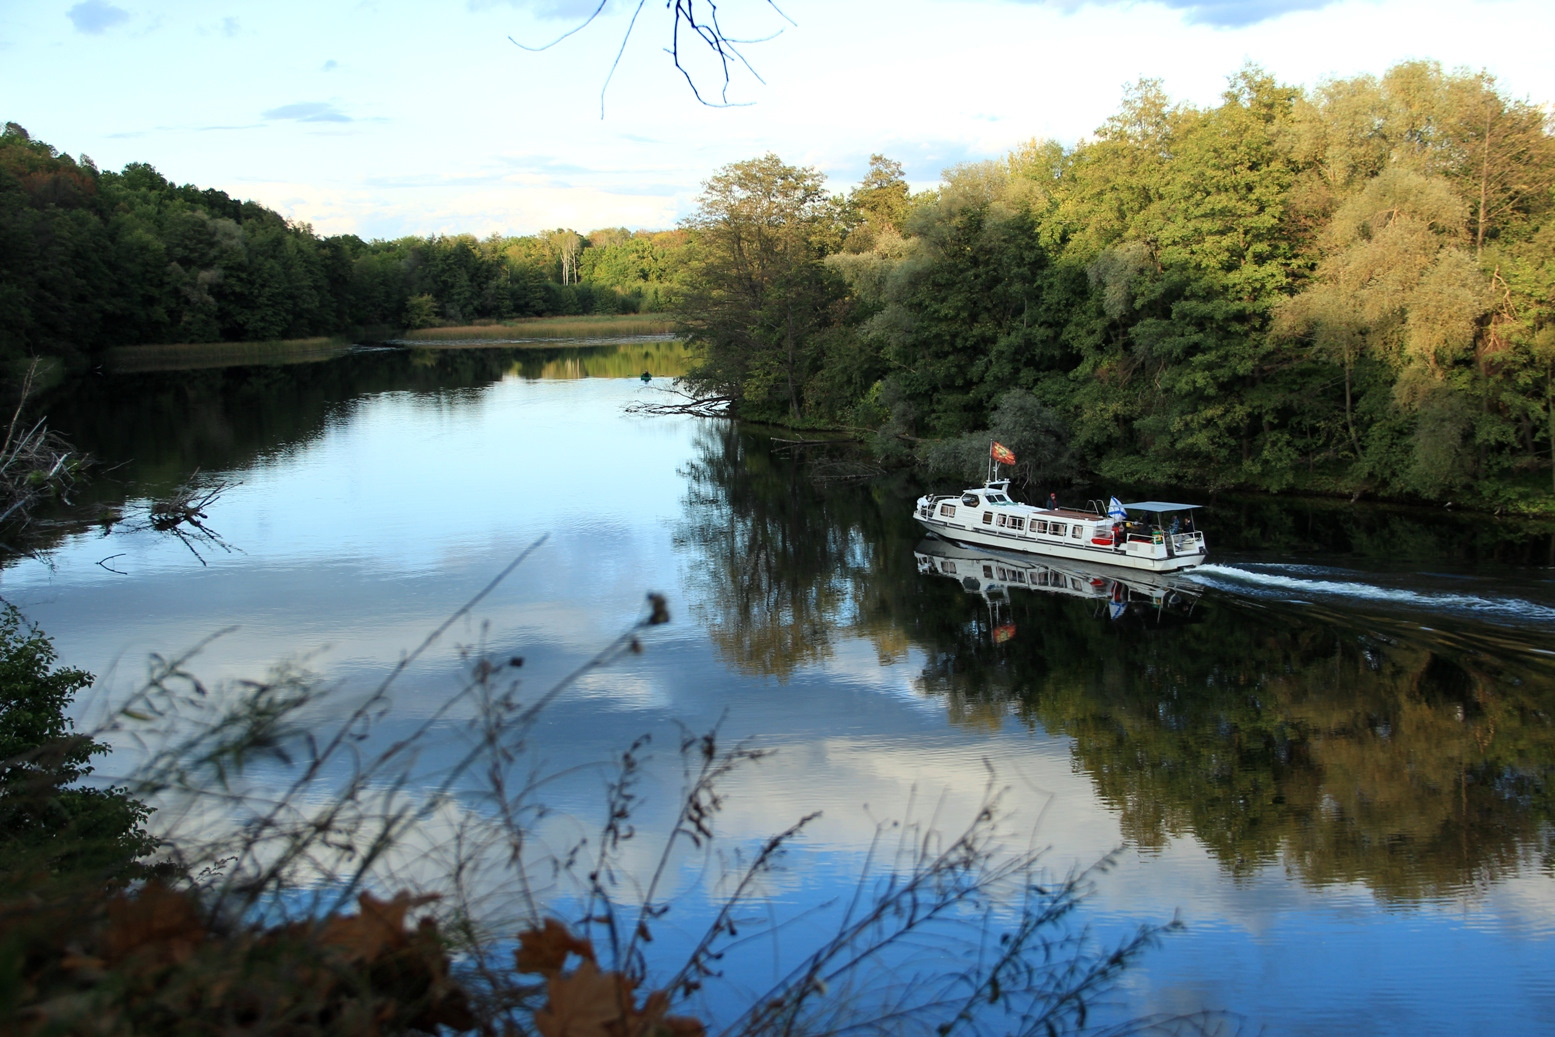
[1116, 509]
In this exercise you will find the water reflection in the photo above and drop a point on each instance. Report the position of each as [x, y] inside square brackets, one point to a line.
[1331, 793]
[152, 431]
[1342, 745]
[992, 576]
[777, 564]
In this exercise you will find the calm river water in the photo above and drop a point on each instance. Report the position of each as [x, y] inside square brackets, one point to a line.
[1330, 752]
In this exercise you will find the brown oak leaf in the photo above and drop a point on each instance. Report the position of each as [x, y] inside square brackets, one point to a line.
[164, 922]
[379, 926]
[585, 1003]
[545, 950]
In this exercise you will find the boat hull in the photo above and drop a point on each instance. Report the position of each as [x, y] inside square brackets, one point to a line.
[1184, 551]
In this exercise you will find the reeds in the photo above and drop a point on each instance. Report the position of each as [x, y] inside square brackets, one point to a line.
[189, 356]
[581, 330]
[36, 464]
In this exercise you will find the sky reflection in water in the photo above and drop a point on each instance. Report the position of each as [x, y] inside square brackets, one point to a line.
[352, 543]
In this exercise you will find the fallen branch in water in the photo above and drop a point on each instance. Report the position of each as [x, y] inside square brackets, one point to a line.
[685, 403]
[182, 514]
[844, 469]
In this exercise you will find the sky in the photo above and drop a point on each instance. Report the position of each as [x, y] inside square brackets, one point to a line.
[385, 118]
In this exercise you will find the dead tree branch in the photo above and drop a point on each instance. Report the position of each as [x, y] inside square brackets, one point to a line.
[699, 19]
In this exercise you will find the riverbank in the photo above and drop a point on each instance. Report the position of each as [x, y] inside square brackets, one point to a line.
[186, 356]
[530, 331]
[548, 330]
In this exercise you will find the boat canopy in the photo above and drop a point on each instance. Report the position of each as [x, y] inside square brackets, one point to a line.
[1159, 506]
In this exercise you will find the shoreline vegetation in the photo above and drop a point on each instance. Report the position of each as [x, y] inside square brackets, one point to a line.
[535, 332]
[191, 356]
[600, 328]
[1341, 291]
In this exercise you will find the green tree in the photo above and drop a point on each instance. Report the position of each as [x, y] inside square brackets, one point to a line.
[878, 206]
[755, 289]
[49, 822]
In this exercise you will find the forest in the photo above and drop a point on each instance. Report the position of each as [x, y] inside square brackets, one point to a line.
[1342, 291]
[1347, 290]
[92, 259]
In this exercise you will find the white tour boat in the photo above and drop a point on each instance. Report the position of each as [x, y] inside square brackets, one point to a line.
[1157, 536]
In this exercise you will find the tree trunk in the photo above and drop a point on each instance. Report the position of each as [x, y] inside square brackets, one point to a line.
[1349, 410]
[1549, 409]
[793, 360]
[1484, 194]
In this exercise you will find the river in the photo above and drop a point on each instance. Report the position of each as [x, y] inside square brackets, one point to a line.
[1328, 753]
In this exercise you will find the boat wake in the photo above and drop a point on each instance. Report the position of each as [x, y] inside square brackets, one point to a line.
[1307, 583]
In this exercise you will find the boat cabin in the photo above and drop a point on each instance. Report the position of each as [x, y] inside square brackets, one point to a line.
[1154, 534]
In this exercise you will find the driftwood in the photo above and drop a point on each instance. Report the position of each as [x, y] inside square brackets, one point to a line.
[181, 514]
[844, 469]
[682, 401]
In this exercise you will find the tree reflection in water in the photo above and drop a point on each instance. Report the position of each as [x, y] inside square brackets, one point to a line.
[1344, 746]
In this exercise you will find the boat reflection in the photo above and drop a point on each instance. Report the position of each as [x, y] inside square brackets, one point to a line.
[1120, 594]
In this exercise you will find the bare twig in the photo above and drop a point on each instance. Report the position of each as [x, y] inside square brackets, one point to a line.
[705, 28]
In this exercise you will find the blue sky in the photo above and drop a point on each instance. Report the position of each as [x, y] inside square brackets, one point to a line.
[389, 117]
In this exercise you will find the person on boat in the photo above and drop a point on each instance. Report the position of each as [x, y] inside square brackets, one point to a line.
[1052, 502]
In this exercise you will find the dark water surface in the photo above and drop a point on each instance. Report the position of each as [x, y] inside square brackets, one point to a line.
[1329, 752]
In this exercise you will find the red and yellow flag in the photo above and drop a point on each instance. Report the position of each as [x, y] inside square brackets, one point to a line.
[1002, 454]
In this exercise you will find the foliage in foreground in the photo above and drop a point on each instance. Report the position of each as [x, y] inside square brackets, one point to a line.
[250, 928]
[54, 830]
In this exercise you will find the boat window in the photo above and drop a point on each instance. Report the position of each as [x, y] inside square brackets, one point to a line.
[1058, 529]
[1017, 523]
[987, 572]
[948, 566]
[1001, 521]
[1076, 531]
[969, 499]
[987, 518]
[948, 510]
[1020, 577]
[998, 498]
[1039, 525]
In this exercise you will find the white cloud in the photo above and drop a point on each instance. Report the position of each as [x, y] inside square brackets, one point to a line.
[307, 111]
[1223, 13]
[95, 17]
[500, 139]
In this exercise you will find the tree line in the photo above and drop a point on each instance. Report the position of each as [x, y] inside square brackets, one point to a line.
[91, 259]
[1349, 289]
[1345, 290]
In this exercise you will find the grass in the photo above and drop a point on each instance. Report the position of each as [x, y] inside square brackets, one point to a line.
[187, 356]
[536, 331]
[545, 330]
